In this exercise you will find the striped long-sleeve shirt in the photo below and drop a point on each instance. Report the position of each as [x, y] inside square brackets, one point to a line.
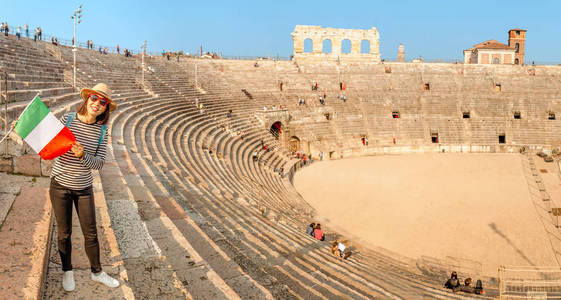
[75, 173]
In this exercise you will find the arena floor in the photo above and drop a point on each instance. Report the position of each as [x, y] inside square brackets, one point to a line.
[476, 207]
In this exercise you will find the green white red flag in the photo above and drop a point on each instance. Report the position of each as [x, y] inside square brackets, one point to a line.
[44, 133]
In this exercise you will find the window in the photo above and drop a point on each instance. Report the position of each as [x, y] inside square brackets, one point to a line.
[502, 139]
[496, 61]
[346, 46]
[326, 46]
[308, 46]
[516, 61]
[517, 32]
[426, 87]
[395, 114]
[551, 116]
[465, 115]
[497, 87]
[434, 138]
[365, 47]
[327, 116]
[517, 47]
[517, 115]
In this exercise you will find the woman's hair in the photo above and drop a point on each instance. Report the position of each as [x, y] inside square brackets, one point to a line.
[454, 275]
[318, 226]
[467, 281]
[101, 119]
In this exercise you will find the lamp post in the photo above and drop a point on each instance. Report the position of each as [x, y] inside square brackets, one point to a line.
[143, 53]
[77, 17]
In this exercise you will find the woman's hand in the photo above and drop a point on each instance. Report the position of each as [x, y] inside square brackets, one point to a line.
[78, 150]
[13, 124]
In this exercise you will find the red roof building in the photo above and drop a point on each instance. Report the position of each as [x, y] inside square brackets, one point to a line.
[494, 52]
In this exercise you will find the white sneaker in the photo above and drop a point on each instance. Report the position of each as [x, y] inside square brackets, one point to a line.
[105, 279]
[68, 283]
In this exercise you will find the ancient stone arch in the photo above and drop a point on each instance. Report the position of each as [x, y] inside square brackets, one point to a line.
[318, 34]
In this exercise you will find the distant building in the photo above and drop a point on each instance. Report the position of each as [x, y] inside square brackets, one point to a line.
[494, 52]
[401, 53]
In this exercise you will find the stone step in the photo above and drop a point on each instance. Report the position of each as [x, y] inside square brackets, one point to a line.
[143, 259]
[24, 251]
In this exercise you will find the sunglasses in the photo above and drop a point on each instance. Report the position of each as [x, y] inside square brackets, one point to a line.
[102, 101]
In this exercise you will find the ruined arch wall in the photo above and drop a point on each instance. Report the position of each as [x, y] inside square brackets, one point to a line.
[318, 34]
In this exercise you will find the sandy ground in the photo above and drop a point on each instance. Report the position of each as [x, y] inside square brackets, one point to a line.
[467, 206]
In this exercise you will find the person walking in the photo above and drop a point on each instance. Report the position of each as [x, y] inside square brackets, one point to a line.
[118, 50]
[40, 33]
[6, 29]
[26, 27]
[71, 181]
[18, 33]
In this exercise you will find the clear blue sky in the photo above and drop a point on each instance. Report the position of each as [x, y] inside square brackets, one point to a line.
[433, 29]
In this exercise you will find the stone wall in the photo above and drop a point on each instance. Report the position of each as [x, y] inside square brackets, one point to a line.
[318, 35]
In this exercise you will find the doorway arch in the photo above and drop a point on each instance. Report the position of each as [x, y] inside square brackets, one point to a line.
[276, 129]
[294, 144]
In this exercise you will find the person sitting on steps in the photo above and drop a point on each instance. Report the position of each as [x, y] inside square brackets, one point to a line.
[318, 233]
[452, 283]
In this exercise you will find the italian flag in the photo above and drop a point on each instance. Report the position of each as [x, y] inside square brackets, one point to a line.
[44, 133]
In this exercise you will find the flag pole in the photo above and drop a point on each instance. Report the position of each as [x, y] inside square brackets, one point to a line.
[7, 134]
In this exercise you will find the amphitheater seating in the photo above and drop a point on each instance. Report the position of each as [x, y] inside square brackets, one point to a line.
[186, 200]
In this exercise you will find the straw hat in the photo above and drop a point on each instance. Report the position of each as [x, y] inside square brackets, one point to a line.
[101, 89]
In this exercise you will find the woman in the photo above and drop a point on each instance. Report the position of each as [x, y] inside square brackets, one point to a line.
[71, 181]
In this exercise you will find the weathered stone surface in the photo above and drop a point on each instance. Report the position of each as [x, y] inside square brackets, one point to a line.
[46, 167]
[23, 249]
[134, 239]
[29, 164]
[6, 164]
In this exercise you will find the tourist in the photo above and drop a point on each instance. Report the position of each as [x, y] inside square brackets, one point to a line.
[118, 52]
[318, 233]
[281, 171]
[18, 33]
[479, 288]
[6, 29]
[35, 35]
[453, 283]
[344, 99]
[341, 247]
[320, 156]
[229, 114]
[71, 182]
[467, 288]
[310, 229]
[39, 33]
[201, 109]
[264, 108]
[26, 27]
[255, 155]
[196, 101]
[99, 50]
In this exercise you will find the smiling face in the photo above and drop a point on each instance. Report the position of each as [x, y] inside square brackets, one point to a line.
[94, 107]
